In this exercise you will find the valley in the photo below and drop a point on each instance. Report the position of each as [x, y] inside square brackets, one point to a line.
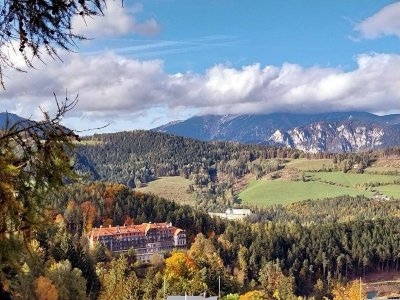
[220, 150]
[316, 217]
[217, 175]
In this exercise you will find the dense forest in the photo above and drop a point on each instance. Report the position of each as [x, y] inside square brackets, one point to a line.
[140, 156]
[308, 257]
[329, 210]
[86, 206]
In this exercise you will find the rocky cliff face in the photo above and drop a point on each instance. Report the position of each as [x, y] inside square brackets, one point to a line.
[337, 132]
[347, 136]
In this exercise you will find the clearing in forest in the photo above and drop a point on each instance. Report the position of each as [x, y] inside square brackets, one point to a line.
[310, 164]
[270, 192]
[172, 188]
[350, 179]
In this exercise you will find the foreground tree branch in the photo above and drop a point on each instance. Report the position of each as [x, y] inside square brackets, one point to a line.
[35, 159]
[35, 26]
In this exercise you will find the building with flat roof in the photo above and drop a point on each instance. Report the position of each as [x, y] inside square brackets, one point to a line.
[232, 214]
[146, 238]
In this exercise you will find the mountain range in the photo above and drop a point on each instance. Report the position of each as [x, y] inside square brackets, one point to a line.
[334, 132]
[331, 132]
[8, 120]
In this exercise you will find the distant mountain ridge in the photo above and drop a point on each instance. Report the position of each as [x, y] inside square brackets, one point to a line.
[335, 132]
[331, 132]
[8, 120]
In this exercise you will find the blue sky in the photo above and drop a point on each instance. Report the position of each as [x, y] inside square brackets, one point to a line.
[196, 35]
[160, 60]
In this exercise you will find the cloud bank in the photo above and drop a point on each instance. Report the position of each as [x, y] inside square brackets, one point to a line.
[384, 22]
[117, 20]
[110, 85]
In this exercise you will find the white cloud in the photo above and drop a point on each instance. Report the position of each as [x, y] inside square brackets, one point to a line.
[117, 20]
[111, 86]
[384, 22]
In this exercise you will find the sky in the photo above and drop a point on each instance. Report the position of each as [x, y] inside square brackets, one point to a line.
[152, 62]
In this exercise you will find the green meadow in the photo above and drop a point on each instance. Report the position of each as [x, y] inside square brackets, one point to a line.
[270, 192]
[392, 190]
[310, 164]
[172, 188]
[350, 179]
[317, 184]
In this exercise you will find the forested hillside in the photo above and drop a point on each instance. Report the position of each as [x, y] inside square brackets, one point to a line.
[329, 210]
[311, 248]
[86, 206]
[308, 256]
[138, 157]
[214, 168]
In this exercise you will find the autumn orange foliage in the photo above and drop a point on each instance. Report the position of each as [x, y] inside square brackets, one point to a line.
[179, 264]
[128, 220]
[45, 290]
[88, 214]
[107, 222]
[59, 219]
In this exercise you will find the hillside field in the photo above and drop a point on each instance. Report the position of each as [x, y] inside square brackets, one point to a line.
[171, 188]
[390, 190]
[317, 185]
[309, 164]
[270, 192]
[350, 179]
[314, 184]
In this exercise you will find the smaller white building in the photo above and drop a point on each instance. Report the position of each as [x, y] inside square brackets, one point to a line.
[232, 214]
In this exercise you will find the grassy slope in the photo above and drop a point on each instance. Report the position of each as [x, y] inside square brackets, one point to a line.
[310, 164]
[390, 190]
[381, 169]
[350, 179]
[172, 188]
[384, 165]
[269, 192]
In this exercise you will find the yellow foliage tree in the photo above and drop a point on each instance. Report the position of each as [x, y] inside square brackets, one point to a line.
[350, 291]
[201, 248]
[253, 295]
[179, 265]
[183, 275]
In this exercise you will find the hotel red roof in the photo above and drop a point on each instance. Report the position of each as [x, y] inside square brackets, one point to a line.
[137, 230]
